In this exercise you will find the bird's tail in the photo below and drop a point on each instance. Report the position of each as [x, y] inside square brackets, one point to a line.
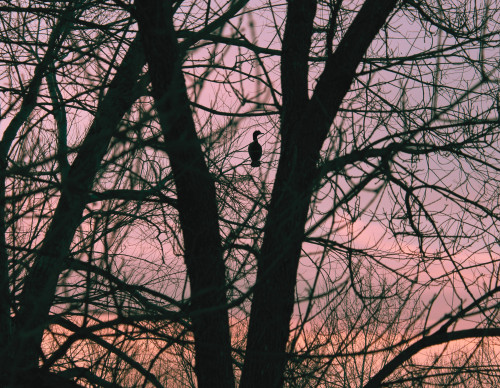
[255, 163]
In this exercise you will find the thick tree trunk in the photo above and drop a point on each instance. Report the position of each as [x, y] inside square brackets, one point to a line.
[273, 299]
[41, 282]
[197, 204]
[305, 124]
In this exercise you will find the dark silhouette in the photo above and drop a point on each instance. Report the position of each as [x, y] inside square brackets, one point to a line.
[255, 150]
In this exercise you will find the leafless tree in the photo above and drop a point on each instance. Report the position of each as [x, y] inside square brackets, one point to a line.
[139, 247]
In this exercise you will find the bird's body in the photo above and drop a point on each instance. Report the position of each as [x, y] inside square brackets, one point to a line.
[255, 150]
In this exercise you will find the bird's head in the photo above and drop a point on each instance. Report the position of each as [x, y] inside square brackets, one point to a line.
[256, 134]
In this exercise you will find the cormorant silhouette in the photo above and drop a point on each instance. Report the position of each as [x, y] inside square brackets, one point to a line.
[255, 150]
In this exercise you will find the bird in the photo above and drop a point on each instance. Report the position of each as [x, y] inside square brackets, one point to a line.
[255, 150]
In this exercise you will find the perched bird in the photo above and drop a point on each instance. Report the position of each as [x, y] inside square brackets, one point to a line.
[255, 150]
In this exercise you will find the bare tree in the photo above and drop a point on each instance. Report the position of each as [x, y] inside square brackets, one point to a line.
[139, 247]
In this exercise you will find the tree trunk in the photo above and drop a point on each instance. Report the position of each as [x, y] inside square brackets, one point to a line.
[197, 204]
[41, 282]
[28, 104]
[304, 126]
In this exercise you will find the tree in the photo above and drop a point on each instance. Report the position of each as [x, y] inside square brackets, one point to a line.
[141, 245]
